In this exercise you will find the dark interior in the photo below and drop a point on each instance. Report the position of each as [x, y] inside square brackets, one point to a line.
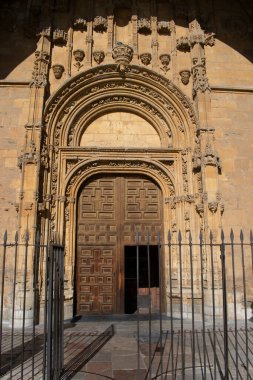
[131, 273]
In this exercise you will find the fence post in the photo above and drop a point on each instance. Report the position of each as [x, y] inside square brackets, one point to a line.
[224, 296]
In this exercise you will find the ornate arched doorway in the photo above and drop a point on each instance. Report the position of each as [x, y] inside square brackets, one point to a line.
[102, 124]
[110, 209]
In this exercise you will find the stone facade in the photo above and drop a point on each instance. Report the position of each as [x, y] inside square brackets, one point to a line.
[156, 88]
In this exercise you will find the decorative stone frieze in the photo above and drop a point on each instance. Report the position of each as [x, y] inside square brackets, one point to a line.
[45, 32]
[200, 81]
[79, 56]
[145, 58]
[165, 61]
[40, 70]
[185, 76]
[44, 157]
[122, 54]
[210, 39]
[196, 35]
[163, 27]
[144, 25]
[58, 70]
[98, 56]
[213, 206]
[183, 44]
[100, 24]
[188, 198]
[60, 37]
[28, 155]
[152, 167]
[94, 73]
[200, 209]
[210, 157]
[80, 23]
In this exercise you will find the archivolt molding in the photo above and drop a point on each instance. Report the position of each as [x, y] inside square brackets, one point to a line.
[87, 168]
[160, 95]
[110, 103]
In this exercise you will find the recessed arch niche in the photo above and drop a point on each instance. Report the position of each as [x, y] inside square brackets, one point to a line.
[120, 130]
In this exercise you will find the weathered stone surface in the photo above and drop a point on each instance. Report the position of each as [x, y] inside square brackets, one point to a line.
[121, 105]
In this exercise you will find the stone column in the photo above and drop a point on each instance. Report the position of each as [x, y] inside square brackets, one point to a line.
[30, 162]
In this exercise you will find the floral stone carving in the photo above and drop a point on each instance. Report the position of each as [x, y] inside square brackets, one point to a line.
[100, 24]
[145, 58]
[144, 26]
[165, 60]
[98, 56]
[79, 56]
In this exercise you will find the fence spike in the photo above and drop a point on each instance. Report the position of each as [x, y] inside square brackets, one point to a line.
[5, 236]
[179, 236]
[169, 236]
[232, 235]
[16, 237]
[222, 236]
[211, 236]
[251, 236]
[190, 237]
[241, 236]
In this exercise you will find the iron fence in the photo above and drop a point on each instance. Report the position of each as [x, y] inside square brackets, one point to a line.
[205, 307]
[31, 314]
[195, 314]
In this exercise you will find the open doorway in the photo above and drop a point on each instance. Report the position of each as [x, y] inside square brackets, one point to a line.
[131, 276]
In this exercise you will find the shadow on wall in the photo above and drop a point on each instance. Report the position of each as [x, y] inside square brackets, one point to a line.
[21, 20]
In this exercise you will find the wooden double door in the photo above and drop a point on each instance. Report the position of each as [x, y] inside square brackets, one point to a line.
[110, 208]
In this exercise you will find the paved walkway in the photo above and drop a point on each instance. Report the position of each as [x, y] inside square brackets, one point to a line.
[90, 355]
[118, 359]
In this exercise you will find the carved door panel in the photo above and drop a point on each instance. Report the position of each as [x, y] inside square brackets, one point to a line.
[97, 243]
[95, 280]
[109, 209]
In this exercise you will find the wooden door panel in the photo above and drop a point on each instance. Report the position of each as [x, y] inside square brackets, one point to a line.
[109, 210]
[95, 279]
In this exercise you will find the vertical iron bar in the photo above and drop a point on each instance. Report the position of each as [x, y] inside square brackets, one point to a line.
[2, 296]
[24, 301]
[149, 305]
[56, 313]
[245, 304]
[160, 300]
[181, 303]
[225, 316]
[171, 307]
[13, 299]
[213, 302]
[50, 316]
[35, 268]
[45, 313]
[203, 299]
[193, 311]
[235, 300]
[138, 311]
[62, 307]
